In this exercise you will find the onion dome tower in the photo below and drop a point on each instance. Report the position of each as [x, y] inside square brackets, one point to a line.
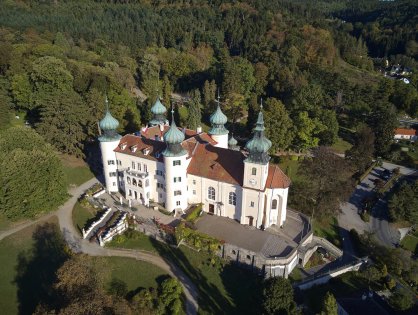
[233, 144]
[108, 142]
[175, 168]
[218, 132]
[158, 111]
[259, 145]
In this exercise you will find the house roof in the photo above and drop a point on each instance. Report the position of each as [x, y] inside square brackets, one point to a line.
[219, 164]
[208, 161]
[276, 178]
[405, 131]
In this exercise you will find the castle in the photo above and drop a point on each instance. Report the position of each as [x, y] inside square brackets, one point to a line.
[177, 167]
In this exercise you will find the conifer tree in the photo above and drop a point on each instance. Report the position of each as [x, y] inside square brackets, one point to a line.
[195, 114]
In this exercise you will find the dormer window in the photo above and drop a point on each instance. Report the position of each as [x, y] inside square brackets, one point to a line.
[146, 151]
[134, 148]
[122, 146]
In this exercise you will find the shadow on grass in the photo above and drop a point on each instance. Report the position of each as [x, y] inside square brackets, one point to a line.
[36, 268]
[211, 300]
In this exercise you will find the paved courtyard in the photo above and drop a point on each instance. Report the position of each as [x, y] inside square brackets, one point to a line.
[274, 242]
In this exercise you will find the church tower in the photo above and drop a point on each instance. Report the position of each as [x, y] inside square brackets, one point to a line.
[218, 132]
[257, 163]
[158, 111]
[108, 142]
[175, 168]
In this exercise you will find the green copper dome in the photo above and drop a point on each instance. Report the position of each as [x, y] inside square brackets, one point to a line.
[232, 142]
[218, 120]
[158, 108]
[173, 138]
[109, 122]
[259, 145]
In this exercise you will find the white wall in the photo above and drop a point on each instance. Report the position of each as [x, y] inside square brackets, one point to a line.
[222, 140]
[172, 172]
[257, 181]
[106, 148]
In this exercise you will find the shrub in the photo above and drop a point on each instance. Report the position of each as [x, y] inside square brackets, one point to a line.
[194, 213]
[294, 158]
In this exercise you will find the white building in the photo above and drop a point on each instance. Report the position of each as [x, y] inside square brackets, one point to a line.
[178, 167]
[406, 134]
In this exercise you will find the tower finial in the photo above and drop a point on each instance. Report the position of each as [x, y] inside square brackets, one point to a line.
[261, 105]
[172, 112]
[107, 103]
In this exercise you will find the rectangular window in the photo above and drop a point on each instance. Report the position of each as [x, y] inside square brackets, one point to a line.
[254, 171]
[177, 179]
[161, 195]
[110, 162]
[114, 183]
[194, 192]
[252, 204]
[145, 168]
[194, 182]
[177, 193]
[112, 174]
[176, 162]
[177, 203]
[130, 192]
[139, 166]
[133, 165]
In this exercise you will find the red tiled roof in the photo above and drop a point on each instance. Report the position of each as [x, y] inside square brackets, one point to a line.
[153, 131]
[218, 164]
[156, 147]
[276, 178]
[405, 131]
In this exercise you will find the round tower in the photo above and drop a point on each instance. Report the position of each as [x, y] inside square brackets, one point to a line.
[158, 111]
[108, 142]
[218, 132]
[175, 168]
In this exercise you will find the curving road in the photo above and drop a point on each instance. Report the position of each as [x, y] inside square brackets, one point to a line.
[79, 245]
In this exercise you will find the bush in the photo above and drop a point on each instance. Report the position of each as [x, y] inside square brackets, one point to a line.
[194, 213]
[365, 216]
[294, 158]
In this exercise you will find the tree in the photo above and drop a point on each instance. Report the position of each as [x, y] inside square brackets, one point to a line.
[403, 204]
[325, 182]
[166, 91]
[195, 115]
[169, 297]
[209, 95]
[149, 72]
[402, 299]
[328, 136]
[361, 154]
[40, 187]
[63, 119]
[383, 124]
[278, 297]
[22, 91]
[279, 127]
[307, 131]
[329, 305]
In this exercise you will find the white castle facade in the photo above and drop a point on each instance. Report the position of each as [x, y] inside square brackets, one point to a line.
[178, 167]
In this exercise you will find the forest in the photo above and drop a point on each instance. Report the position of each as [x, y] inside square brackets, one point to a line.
[314, 65]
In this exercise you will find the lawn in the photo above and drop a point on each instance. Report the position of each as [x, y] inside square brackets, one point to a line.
[223, 288]
[136, 274]
[340, 146]
[139, 240]
[81, 215]
[410, 242]
[10, 248]
[290, 167]
[328, 229]
[76, 170]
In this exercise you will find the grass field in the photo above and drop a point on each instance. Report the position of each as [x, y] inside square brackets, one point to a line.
[340, 146]
[223, 289]
[328, 229]
[76, 170]
[10, 248]
[410, 242]
[290, 167]
[81, 215]
[135, 274]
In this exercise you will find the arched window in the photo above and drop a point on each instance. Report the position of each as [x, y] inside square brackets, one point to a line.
[233, 198]
[139, 183]
[211, 193]
[134, 181]
[128, 179]
[274, 204]
[254, 171]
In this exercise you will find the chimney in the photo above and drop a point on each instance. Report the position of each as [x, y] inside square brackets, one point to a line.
[161, 127]
[199, 129]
